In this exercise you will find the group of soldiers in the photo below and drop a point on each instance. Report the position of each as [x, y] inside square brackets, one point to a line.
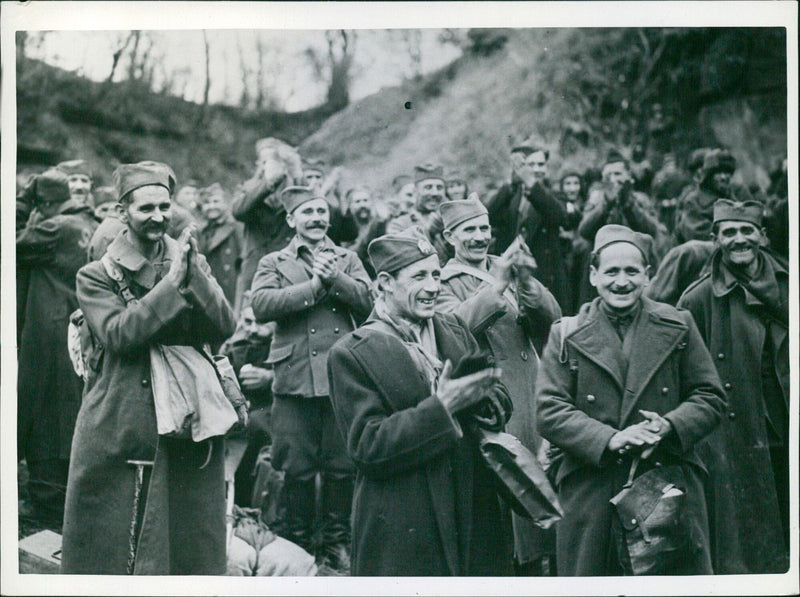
[350, 318]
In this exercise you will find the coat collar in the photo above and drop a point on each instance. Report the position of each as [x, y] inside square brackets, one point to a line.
[657, 331]
[724, 282]
[217, 233]
[140, 270]
[290, 265]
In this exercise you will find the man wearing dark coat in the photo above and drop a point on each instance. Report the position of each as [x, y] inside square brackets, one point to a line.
[695, 210]
[509, 312]
[527, 207]
[50, 251]
[315, 292]
[626, 377]
[256, 203]
[741, 308]
[220, 239]
[425, 504]
[138, 502]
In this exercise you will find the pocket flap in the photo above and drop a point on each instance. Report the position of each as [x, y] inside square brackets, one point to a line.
[279, 353]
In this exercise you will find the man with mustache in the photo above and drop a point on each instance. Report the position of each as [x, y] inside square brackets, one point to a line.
[510, 312]
[139, 502]
[315, 292]
[79, 176]
[626, 377]
[425, 504]
[741, 307]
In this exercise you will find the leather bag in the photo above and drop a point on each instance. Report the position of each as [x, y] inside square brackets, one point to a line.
[655, 534]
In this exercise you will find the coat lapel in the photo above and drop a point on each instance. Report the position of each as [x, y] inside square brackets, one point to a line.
[653, 340]
[217, 235]
[599, 343]
[292, 269]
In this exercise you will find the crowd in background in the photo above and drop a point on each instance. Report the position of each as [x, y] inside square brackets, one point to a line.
[64, 221]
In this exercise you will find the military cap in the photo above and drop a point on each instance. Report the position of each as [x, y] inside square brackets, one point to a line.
[294, 197]
[129, 177]
[527, 149]
[75, 167]
[103, 195]
[401, 180]
[616, 233]
[51, 186]
[614, 156]
[315, 164]
[392, 252]
[212, 190]
[455, 175]
[740, 211]
[719, 160]
[427, 171]
[270, 144]
[697, 158]
[458, 212]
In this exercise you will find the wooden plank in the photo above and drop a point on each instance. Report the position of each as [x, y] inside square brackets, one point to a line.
[40, 553]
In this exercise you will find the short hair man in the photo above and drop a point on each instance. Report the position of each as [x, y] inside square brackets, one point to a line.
[315, 292]
[425, 504]
[221, 239]
[625, 378]
[79, 176]
[510, 312]
[370, 217]
[741, 308]
[160, 291]
[527, 207]
[51, 248]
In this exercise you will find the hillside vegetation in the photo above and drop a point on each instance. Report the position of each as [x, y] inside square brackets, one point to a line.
[578, 91]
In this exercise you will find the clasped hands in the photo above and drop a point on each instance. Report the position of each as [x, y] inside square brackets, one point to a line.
[642, 437]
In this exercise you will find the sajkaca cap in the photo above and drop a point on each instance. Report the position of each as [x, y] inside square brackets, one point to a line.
[294, 197]
[458, 212]
[314, 164]
[427, 171]
[75, 167]
[616, 233]
[392, 252]
[129, 177]
[51, 186]
[740, 211]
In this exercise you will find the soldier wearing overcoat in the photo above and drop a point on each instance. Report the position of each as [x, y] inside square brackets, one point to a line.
[623, 375]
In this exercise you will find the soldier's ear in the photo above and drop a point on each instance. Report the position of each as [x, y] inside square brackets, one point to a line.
[383, 280]
[447, 234]
[121, 212]
[290, 221]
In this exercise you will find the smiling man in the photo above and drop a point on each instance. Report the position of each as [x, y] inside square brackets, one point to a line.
[626, 377]
[315, 292]
[221, 239]
[79, 176]
[148, 290]
[510, 312]
[741, 307]
[424, 504]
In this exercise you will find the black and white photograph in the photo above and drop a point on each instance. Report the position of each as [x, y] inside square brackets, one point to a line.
[430, 292]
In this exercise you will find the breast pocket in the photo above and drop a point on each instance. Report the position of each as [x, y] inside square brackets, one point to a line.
[279, 354]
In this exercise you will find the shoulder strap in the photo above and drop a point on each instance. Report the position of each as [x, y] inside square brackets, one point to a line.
[115, 273]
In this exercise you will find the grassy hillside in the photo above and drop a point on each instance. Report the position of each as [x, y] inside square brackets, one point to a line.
[577, 91]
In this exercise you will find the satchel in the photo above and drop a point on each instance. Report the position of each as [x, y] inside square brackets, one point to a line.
[655, 534]
[523, 483]
[189, 399]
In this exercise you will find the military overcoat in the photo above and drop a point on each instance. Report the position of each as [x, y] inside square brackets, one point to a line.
[183, 527]
[585, 395]
[747, 535]
[424, 503]
[222, 244]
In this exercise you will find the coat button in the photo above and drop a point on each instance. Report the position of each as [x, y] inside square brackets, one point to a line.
[313, 331]
[721, 356]
[145, 383]
[590, 398]
[731, 415]
[228, 251]
[728, 385]
[633, 521]
[333, 309]
[665, 390]
[227, 267]
[313, 353]
[524, 355]
[335, 330]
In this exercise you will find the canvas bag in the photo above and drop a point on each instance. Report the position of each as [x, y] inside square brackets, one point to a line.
[189, 400]
[650, 509]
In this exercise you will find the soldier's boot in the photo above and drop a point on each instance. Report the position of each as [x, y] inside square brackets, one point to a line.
[297, 509]
[337, 499]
